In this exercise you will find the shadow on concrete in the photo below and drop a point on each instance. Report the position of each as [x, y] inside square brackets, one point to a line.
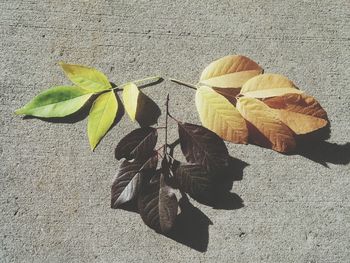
[191, 227]
[152, 83]
[148, 112]
[314, 146]
[326, 152]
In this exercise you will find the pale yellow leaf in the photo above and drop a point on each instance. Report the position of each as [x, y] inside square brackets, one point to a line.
[268, 85]
[130, 98]
[101, 117]
[229, 72]
[265, 127]
[220, 116]
[231, 80]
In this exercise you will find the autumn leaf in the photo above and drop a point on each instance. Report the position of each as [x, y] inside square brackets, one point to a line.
[220, 116]
[302, 113]
[202, 146]
[268, 85]
[299, 103]
[139, 107]
[85, 77]
[267, 130]
[157, 202]
[101, 117]
[229, 72]
[127, 182]
[193, 179]
[56, 102]
[137, 144]
[130, 96]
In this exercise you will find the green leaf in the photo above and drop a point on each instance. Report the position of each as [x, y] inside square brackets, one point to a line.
[85, 77]
[101, 117]
[56, 102]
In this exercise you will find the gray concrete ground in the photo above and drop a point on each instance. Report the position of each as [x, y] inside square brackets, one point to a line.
[55, 192]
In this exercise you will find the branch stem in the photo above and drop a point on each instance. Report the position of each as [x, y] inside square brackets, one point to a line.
[189, 85]
[166, 124]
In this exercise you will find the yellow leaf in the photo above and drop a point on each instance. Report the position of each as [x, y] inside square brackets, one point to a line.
[87, 78]
[139, 106]
[265, 128]
[101, 117]
[130, 99]
[268, 85]
[229, 72]
[219, 115]
[302, 113]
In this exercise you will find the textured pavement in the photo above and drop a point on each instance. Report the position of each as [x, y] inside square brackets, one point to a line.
[55, 192]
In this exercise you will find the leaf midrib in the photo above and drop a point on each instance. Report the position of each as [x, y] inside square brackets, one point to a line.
[138, 145]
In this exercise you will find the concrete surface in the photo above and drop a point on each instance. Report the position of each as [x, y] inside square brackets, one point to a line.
[55, 193]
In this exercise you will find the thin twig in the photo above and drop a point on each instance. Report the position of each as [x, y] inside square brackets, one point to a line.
[166, 124]
[189, 85]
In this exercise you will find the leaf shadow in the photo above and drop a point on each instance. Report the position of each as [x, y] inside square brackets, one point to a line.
[147, 112]
[152, 83]
[191, 227]
[314, 147]
[324, 152]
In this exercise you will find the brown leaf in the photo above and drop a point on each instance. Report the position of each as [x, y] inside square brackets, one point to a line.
[127, 182]
[137, 144]
[193, 179]
[202, 146]
[266, 128]
[157, 202]
[229, 72]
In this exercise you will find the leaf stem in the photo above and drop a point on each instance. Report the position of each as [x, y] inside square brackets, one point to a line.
[166, 124]
[155, 78]
[189, 85]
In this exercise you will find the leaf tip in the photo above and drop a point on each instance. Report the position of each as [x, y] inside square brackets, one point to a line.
[19, 111]
[61, 63]
[93, 146]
